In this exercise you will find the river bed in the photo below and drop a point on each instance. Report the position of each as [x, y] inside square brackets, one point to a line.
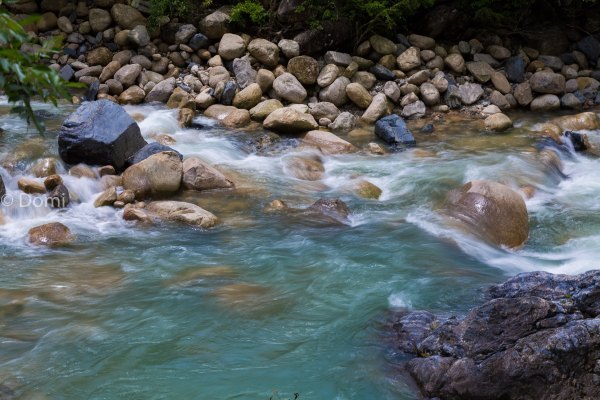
[265, 305]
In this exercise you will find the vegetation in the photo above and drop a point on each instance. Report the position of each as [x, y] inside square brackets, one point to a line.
[172, 8]
[249, 11]
[24, 73]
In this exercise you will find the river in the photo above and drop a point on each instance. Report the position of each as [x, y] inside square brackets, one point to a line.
[267, 306]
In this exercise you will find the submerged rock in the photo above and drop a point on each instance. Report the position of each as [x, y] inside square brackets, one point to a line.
[99, 133]
[492, 210]
[537, 338]
[333, 208]
[187, 213]
[198, 175]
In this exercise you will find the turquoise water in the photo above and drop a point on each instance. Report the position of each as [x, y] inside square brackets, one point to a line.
[267, 305]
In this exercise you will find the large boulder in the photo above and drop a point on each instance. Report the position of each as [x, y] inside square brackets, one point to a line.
[158, 174]
[536, 337]
[186, 213]
[393, 130]
[52, 235]
[198, 175]
[577, 122]
[289, 120]
[492, 211]
[99, 133]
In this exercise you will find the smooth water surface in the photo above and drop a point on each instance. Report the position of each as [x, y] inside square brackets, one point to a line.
[266, 305]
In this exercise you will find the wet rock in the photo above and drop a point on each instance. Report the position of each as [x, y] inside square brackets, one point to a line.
[31, 186]
[393, 130]
[53, 234]
[44, 167]
[288, 120]
[537, 337]
[329, 143]
[158, 174]
[58, 197]
[498, 122]
[579, 140]
[491, 210]
[289, 88]
[149, 150]
[198, 175]
[181, 212]
[306, 168]
[106, 198]
[367, 190]
[99, 133]
[333, 208]
[577, 122]
[82, 171]
[50, 182]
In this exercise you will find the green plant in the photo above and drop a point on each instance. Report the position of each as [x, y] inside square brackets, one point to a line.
[249, 11]
[172, 8]
[24, 72]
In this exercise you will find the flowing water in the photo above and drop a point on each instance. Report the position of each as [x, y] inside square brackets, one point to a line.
[266, 306]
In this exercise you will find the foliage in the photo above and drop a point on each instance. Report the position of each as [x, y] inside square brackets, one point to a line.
[23, 73]
[172, 8]
[249, 10]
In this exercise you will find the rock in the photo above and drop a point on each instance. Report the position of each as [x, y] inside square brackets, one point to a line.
[409, 59]
[185, 33]
[237, 119]
[333, 208]
[198, 41]
[590, 46]
[498, 122]
[469, 93]
[359, 95]
[132, 95]
[377, 109]
[244, 73]
[264, 51]
[578, 122]
[289, 88]
[31, 186]
[393, 130]
[551, 62]
[392, 91]
[66, 72]
[328, 142]
[491, 109]
[336, 92]
[82, 171]
[288, 120]
[263, 109]
[109, 71]
[305, 69]
[99, 133]
[430, 94]
[47, 22]
[328, 75]
[480, 70]
[500, 82]
[337, 58]
[367, 190]
[344, 122]
[44, 167]
[139, 36]
[545, 102]
[162, 91]
[382, 73]
[265, 79]
[422, 42]
[289, 48]
[547, 82]
[186, 213]
[158, 174]
[215, 25]
[419, 77]
[535, 337]
[498, 52]
[198, 175]
[149, 150]
[50, 183]
[492, 211]
[128, 74]
[305, 168]
[329, 35]
[248, 97]
[571, 101]
[515, 69]
[231, 46]
[106, 198]
[53, 234]
[523, 94]
[136, 214]
[64, 24]
[382, 45]
[414, 110]
[126, 16]
[323, 110]
[456, 63]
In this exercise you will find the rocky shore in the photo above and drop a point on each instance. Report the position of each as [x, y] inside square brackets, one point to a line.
[537, 337]
[238, 79]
